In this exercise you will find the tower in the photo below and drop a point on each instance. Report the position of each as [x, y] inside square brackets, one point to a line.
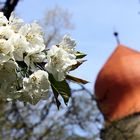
[117, 90]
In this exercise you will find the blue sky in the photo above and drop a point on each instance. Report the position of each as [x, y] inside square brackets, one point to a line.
[95, 21]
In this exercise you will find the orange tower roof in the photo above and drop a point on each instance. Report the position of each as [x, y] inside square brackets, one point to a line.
[117, 86]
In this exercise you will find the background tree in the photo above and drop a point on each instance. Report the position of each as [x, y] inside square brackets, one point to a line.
[45, 121]
[56, 23]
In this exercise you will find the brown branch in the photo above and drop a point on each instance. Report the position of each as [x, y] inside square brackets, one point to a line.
[9, 7]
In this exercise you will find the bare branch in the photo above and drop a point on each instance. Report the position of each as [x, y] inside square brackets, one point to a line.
[9, 7]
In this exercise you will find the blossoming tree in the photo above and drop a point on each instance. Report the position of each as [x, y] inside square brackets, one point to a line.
[28, 70]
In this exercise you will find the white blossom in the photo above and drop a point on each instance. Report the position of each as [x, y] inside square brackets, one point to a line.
[4, 58]
[34, 36]
[3, 19]
[25, 43]
[15, 23]
[30, 59]
[8, 37]
[6, 46]
[38, 57]
[20, 45]
[37, 86]
[8, 80]
[32, 33]
[68, 44]
[59, 62]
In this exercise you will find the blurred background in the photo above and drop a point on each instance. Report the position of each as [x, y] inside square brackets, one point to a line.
[91, 23]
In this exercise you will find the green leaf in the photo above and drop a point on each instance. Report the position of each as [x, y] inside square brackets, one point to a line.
[60, 88]
[56, 93]
[73, 67]
[77, 80]
[80, 55]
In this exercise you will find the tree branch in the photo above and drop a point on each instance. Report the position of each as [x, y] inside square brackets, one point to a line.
[9, 6]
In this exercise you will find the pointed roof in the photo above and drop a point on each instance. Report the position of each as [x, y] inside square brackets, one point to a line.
[117, 87]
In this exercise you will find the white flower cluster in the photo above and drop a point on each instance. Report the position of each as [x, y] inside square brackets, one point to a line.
[61, 58]
[25, 64]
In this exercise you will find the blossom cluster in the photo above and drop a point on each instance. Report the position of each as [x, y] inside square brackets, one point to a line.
[26, 65]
